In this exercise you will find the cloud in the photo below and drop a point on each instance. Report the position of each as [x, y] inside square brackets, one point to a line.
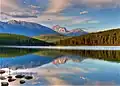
[50, 14]
[51, 20]
[34, 7]
[54, 18]
[63, 20]
[19, 14]
[84, 12]
[13, 9]
[18, 6]
[93, 22]
[98, 3]
[9, 5]
[56, 6]
[44, 19]
[79, 21]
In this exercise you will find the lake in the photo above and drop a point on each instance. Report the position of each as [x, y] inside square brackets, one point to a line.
[61, 67]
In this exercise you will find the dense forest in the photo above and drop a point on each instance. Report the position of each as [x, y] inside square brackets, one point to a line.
[20, 40]
[109, 37]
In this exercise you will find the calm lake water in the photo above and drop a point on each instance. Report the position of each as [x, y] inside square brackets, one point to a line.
[63, 67]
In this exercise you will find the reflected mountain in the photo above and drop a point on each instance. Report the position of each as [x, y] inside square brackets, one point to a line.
[61, 60]
[64, 59]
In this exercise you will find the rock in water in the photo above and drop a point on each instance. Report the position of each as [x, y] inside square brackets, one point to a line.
[2, 78]
[19, 76]
[2, 71]
[28, 77]
[4, 83]
[9, 77]
[11, 80]
[22, 81]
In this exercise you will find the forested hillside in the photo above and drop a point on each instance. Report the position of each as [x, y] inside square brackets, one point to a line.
[110, 37]
[51, 38]
[20, 40]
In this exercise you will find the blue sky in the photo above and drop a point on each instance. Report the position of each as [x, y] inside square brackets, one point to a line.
[92, 15]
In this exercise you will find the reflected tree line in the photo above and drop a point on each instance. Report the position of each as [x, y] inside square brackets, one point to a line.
[99, 54]
[108, 55]
[13, 52]
[104, 55]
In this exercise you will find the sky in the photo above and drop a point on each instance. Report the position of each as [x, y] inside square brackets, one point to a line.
[91, 15]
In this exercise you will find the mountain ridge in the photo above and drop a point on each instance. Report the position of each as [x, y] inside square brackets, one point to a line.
[25, 28]
[73, 32]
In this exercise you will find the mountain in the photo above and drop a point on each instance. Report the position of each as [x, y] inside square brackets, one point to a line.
[76, 32]
[73, 32]
[60, 29]
[109, 37]
[20, 40]
[24, 28]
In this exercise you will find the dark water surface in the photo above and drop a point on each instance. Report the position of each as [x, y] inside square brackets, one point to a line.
[64, 67]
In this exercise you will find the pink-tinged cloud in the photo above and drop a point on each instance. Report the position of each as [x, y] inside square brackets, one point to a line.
[8, 5]
[56, 6]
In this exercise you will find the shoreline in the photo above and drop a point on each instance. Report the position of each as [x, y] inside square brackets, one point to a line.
[67, 47]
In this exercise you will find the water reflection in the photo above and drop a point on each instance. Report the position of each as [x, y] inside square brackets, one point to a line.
[99, 54]
[13, 52]
[107, 55]
[64, 67]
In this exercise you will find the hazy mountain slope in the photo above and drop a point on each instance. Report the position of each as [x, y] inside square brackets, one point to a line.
[24, 28]
[76, 32]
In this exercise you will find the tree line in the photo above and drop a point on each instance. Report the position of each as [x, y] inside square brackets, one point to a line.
[110, 37]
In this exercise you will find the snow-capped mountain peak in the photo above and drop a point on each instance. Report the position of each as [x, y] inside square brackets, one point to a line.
[60, 29]
[73, 32]
[25, 28]
[77, 30]
[24, 23]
